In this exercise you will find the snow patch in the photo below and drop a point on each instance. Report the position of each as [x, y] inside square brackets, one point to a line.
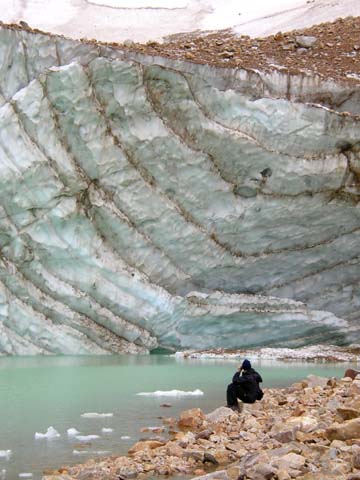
[171, 393]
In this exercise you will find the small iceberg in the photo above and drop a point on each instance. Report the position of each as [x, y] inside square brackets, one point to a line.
[3, 474]
[86, 438]
[91, 452]
[25, 475]
[125, 437]
[107, 430]
[96, 415]
[171, 393]
[72, 432]
[5, 454]
[51, 433]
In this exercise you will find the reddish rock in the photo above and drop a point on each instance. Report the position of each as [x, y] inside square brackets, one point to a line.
[191, 419]
[351, 373]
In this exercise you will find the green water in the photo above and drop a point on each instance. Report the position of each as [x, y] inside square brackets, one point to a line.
[38, 392]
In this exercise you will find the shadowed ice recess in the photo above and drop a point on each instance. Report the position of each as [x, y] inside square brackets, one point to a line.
[147, 202]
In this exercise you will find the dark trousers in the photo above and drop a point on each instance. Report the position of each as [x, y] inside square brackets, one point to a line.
[235, 391]
[232, 394]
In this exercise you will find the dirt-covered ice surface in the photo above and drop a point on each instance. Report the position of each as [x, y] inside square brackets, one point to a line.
[311, 353]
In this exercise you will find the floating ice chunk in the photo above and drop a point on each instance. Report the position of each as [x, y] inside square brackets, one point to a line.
[107, 430]
[125, 437]
[3, 474]
[81, 452]
[51, 433]
[171, 393]
[5, 454]
[91, 452]
[72, 432]
[86, 438]
[96, 415]
[25, 475]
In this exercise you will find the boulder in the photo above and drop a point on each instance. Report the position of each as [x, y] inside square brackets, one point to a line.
[347, 413]
[219, 414]
[285, 436]
[304, 423]
[204, 434]
[218, 475]
[125, 473]
[174, 450]
[58, 477]
[145, 445]
[218, 456]
[316, 381]
[234, 472]
[261, 471]
[192, 419]
[344, 431]
[283, 475]
[291, 461]
[356, 461]
[305, 41]
[197, 455]
[322, 476]
[351, 373]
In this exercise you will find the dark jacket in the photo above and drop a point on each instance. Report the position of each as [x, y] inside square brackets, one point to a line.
[247, 385]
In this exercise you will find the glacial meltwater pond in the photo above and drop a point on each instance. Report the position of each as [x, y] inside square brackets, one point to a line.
[39, 392]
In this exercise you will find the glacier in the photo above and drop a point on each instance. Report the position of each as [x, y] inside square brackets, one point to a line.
[151, 202]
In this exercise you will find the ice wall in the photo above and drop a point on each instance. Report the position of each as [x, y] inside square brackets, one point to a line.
[150, 202]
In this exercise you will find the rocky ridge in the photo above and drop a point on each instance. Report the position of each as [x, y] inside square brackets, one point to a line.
[308, 431]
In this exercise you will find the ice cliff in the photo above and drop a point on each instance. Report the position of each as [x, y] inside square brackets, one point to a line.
[151, 202]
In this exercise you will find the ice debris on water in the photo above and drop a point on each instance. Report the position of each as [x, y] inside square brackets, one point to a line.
[86, 438]
[125, 437]
[5, 454]
[72, 432]
[96, 415]
[51, 433]
[25, 475]
[171, 393]
[90, 452]
[3, 474]
[107, 430]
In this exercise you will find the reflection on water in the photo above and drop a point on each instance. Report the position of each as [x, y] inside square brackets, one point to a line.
[39, 392]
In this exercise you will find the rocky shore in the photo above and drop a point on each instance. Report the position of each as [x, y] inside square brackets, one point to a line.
[308, 431]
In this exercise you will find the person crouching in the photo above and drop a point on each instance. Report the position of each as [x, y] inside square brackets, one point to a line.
[245, 386]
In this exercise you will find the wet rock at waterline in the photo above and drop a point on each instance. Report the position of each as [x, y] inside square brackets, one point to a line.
[149, 202]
